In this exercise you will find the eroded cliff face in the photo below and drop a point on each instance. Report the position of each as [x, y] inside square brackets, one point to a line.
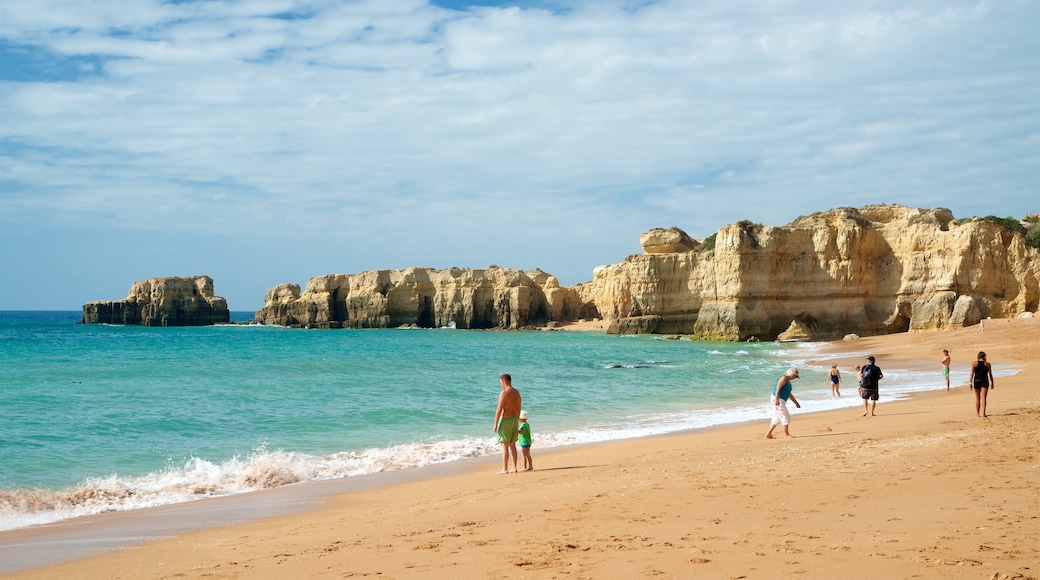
[871, 270]
[173, 301]
[488, 298]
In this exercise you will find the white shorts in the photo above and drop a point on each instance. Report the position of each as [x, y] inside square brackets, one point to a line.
[782, 416]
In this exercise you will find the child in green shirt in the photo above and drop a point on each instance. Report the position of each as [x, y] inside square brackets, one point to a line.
[525, 441]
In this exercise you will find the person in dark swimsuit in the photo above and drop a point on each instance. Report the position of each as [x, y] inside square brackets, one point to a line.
[835, 379]
[981, 381]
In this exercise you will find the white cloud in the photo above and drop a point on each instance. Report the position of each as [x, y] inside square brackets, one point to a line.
[396, 133]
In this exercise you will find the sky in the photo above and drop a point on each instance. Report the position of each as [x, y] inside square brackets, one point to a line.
[263, 142]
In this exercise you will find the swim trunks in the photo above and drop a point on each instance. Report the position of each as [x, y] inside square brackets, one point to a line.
[946, 372]
[508, 429]
[869, 394]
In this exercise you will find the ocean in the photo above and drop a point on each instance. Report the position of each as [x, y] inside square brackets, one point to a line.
[96, 418]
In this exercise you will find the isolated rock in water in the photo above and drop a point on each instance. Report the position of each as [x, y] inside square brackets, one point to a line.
[635, 325]
[171, 301]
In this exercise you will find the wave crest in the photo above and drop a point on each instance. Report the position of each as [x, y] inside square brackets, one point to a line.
[199, 478]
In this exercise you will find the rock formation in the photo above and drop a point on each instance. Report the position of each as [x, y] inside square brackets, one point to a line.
[162, 302]
[462, 298]
[872, 270]
[666, 241]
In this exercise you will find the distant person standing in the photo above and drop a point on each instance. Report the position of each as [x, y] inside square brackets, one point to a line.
[869, 391]
[525, 441]
[981, 381]
[507, 421]
[781, 393]
[835, 380]
[945, 362]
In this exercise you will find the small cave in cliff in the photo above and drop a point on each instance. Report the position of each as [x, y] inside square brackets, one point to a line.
[540, 315]
[899, 323]
[588, 311]
[426, 318]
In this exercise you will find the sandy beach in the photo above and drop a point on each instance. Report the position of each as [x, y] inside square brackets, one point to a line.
[925, 489]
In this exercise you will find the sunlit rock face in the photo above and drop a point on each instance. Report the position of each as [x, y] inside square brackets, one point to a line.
[173, 301]
[870, 270]
[492, 297]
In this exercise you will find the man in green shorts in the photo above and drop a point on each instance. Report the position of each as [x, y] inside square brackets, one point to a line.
[945, 362]
[507, 421]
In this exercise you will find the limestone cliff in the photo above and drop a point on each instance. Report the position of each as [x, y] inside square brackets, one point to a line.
[162, 302]
[489, 298]
[872, 270]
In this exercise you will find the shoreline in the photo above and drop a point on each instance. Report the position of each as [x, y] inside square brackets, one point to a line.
[595, 496]
[394, 476]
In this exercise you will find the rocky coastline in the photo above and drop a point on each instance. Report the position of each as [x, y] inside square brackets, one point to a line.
[872, 270]
[877, 269]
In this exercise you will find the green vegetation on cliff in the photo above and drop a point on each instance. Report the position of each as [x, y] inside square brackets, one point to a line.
[1030, 231]
[1032, 225]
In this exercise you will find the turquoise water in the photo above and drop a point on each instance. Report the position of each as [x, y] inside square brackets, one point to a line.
[99, 417]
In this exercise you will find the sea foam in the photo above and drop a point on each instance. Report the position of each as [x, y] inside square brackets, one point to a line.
[199, 479]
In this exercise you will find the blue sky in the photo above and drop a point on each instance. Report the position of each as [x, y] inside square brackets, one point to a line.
[270, 141]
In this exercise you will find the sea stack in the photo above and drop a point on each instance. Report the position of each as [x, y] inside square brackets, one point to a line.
[173, 301]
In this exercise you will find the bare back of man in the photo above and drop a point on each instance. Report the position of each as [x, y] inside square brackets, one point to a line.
[507, 421]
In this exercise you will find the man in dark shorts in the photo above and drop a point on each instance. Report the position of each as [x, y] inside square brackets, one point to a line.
[871, 375]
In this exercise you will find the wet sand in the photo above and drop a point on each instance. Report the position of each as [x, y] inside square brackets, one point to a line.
[925, 489]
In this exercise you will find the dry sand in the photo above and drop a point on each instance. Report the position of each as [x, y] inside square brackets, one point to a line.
[923, 490]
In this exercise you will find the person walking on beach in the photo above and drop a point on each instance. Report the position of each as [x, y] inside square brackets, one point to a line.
[525, 441]
[781, 393]
[945, 362]
[835, 379]
[507, 421]
[981, 381]
[859, 380]
[869, 385]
